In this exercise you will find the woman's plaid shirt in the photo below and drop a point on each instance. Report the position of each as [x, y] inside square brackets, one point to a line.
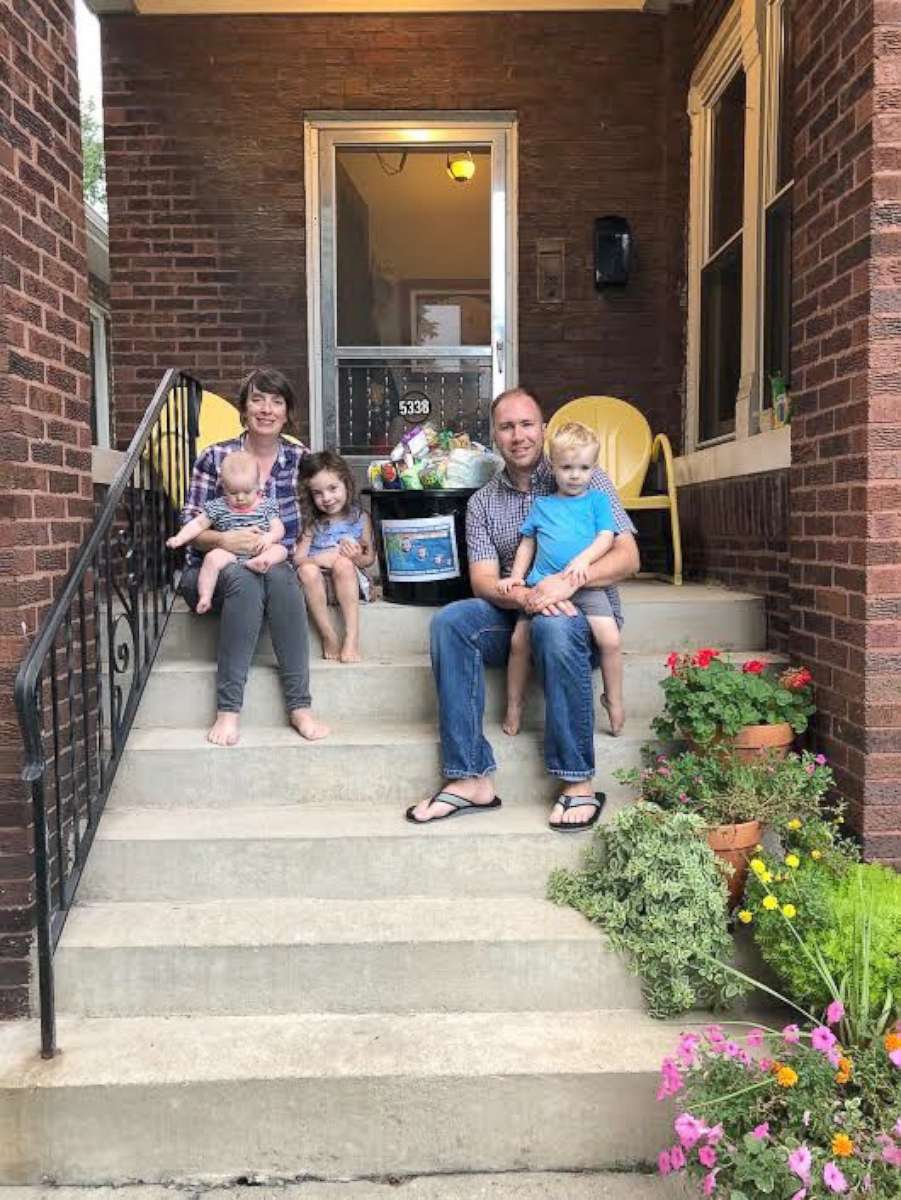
[281, 486]
[495, 514]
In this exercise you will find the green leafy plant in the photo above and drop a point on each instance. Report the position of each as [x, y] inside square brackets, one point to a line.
[828, 894]
[650, 881]
[723, 789]
[706, 697]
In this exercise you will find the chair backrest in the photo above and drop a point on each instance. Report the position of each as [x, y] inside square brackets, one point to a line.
[624, 434]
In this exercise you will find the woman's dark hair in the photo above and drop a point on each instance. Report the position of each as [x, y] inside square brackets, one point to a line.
[312, 464]
[267, 379]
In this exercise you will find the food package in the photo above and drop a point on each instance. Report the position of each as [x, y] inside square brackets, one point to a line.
[471, 468]
[432, 472]
[410, 480]
[390, 478]
[374, 475]
[448, 440]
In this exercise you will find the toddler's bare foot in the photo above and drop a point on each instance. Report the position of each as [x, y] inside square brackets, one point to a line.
[330, 647]
[616, 714]
[204, 604]
[350, 651]
[225, 729]
[513, 719]
[307, 725]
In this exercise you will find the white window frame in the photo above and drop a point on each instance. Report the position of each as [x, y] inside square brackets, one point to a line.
[100, 370]
[749, 37]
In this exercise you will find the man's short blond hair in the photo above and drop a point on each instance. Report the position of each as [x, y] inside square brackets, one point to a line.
[572, 436]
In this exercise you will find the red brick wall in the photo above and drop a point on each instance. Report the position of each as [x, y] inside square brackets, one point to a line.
[736, 531]
[45, 491]
[846, 497]
[204, 137]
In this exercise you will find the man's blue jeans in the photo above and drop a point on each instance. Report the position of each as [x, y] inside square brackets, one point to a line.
[470, 635]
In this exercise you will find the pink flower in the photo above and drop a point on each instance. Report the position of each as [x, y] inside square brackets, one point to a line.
[800, 1195]
[820, 760]
[732, 1049]
[714, 1135]
[755, 1039]
[707, 1156]
[834, 1054]
[764, 1063]
[822, 1039]
[834, 1179]
[799, 1163]
[761, 1132]
[835, 1012]
[866, 1183]
[898, 1127]
[895, 1057]
[664, 1166]
[791, 1034]
[677, 1158]
[892, 1155]
[689, 1129]
[688, 1044]
[670, 1080]
[709, 1185]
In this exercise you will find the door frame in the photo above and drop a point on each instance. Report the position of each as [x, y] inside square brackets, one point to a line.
[456, 124]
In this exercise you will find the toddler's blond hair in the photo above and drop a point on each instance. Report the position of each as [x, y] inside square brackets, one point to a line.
[239, 468]
[572, 436]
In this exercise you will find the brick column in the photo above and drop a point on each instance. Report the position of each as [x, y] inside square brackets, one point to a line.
[845, 498]
[45, 455]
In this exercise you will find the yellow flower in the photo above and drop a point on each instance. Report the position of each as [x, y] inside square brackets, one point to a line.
[842, 1146]
[786, 1077]
[745, 916]
[766, 877]
[770, 902]
[845, 1067]
[758, 866]
[794, 823]
[792, 860]
[789, 911]
[758, 847]
[816, 854]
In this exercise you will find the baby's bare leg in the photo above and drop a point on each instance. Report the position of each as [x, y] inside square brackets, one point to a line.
[606, 634]
[517, 677]
[213, 562]
[317, 605]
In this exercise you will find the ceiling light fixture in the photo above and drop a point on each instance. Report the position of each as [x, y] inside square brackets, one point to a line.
[460, 166]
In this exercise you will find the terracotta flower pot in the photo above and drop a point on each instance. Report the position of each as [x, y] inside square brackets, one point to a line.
[755, 740]
[735, 844]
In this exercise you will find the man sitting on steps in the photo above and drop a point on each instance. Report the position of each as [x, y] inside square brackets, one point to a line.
[470, 635]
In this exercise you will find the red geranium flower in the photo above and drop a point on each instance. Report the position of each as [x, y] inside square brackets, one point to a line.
[796, 678]
[705, 657]
[673, 661]
[753, 666]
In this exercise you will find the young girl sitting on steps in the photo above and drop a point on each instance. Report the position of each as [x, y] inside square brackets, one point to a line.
[565, 533]
[335, 546]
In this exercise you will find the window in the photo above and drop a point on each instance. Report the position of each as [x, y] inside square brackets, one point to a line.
[100, 378]
[740, 222]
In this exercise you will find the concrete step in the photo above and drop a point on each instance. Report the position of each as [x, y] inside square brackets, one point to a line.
[659, 618]
[269, 956]
[373, 762]
[514, 1185]
[331, 1096]
[180, 693]
[351, 852]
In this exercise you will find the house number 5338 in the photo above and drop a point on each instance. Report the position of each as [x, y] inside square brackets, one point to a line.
[414, 405]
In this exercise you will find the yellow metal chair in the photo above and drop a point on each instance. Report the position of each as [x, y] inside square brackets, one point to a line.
[627, 450]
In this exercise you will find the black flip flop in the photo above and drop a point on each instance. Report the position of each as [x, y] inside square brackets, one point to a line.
[461, 806]
[596, 801]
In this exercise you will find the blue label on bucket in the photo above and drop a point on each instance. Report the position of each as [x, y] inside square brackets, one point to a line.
[422, 550]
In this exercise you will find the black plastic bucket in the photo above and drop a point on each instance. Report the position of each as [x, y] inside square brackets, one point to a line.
[420, 538]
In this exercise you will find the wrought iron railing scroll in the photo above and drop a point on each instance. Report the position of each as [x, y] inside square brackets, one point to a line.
[80, 683]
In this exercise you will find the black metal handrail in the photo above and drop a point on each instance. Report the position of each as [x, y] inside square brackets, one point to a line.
[80, 683]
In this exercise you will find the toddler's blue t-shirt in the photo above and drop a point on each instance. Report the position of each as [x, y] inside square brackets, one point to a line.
[563, 527]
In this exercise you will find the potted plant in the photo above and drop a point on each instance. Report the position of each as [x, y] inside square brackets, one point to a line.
[755, 708]
[734, 797]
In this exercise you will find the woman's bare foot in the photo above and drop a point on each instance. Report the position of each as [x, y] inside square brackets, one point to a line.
[513, 719]
[225, 729]
[330, 647]
[478, 790]
[617, 716]
[204, 604]
[350, 651]
[307, 725]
